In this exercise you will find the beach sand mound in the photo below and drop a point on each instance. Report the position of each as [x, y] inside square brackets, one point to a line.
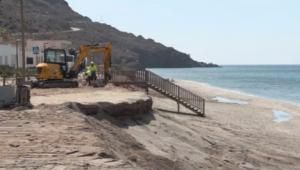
[77, 136]
[114, 128]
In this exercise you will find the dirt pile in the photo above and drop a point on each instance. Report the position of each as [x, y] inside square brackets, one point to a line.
[138, 107]
[77, 136]
[108, 121]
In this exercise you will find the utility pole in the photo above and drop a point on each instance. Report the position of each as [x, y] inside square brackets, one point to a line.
[17, 53]
[23, 34]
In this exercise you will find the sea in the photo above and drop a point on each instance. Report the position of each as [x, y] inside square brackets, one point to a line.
[279, 82]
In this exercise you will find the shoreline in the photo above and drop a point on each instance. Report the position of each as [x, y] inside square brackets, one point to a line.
[256, 135]
[246, 108]
[238, 92]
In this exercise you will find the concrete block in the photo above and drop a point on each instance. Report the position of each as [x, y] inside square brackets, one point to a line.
[7, 95]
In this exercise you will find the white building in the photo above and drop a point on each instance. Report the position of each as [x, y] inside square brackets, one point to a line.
[34, 51]
[7, 54]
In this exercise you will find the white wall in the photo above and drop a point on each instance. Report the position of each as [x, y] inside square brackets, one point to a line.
[7, 54]
[8, 51]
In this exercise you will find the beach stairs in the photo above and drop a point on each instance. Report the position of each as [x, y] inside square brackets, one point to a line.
[164, 86]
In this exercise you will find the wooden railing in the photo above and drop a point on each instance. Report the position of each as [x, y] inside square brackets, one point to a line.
[128, 76]
[164, 86]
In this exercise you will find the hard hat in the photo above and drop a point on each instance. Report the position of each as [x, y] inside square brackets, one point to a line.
[92, 62]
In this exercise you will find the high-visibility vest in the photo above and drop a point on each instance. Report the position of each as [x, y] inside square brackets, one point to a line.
[88, 71]
[93, 68]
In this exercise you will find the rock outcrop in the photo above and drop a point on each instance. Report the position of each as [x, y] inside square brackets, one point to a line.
[55, 19]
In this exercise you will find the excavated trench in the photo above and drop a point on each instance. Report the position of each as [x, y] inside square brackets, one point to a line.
[108, 121]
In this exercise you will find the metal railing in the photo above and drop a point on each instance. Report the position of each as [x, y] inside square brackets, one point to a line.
[164, 86]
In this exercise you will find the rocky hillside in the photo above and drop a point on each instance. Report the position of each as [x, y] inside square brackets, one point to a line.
[54, 20]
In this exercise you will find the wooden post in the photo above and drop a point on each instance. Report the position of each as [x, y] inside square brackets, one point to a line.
[147, 81]
[146, 86]
[178, 94]
[178, 104]
[203, 114]
[4, 80]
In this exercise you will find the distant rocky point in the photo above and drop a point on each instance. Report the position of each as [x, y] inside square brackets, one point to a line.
[202, 64]
[56, 20]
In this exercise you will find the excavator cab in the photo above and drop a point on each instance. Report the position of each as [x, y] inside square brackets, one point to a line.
[55, 65]
[53, 72]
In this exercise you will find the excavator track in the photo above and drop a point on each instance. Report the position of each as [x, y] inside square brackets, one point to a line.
[55, 84]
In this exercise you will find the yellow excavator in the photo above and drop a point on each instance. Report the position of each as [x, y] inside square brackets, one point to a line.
[54, 72]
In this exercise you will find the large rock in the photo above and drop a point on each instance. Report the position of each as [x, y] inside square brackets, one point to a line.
[8, 95]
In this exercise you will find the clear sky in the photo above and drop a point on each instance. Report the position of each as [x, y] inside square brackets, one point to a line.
[219, 31]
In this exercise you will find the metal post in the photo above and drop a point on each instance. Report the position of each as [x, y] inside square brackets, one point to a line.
[36, 59]
[23, 34]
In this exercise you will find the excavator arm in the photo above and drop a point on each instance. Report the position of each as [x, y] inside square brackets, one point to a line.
[86, 50]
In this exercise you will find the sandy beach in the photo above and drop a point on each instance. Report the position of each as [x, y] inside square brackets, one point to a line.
[232, 136]
[238, 132]
[149, 85]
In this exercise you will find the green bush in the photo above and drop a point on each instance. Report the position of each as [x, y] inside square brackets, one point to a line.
[10, 72]
[6, 71]
[2, 30]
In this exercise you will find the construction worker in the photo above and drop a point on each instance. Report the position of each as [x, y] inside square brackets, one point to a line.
[91, 73]
[88, 75]
[94, 70]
